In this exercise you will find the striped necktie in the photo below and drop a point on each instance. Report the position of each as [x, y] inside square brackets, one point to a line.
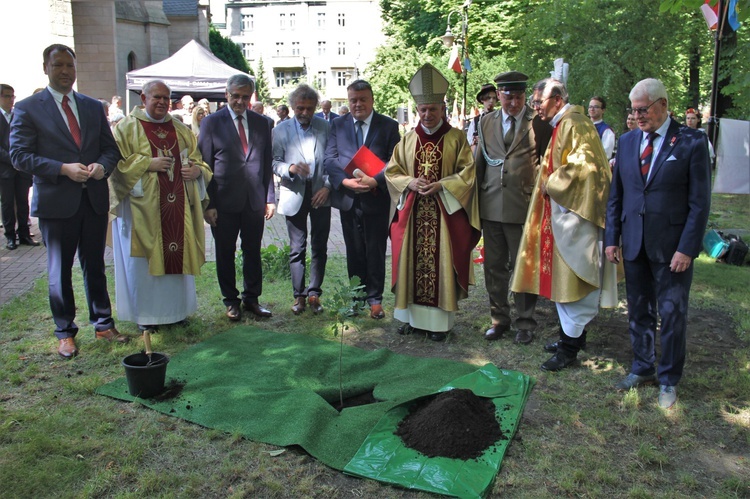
[647, 154]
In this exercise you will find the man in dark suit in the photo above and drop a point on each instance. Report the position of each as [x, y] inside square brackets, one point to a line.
[326, 112]
[64, 140]
[236, 144]
[658, 205]
[14, 185]
[363, 202]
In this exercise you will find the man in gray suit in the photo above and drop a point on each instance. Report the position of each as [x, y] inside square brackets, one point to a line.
[507, 160]
[299, 145]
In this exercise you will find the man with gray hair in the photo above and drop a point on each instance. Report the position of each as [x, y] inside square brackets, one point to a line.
[299, 146]
[158, 193]
[561, 256]
[236, 144]
[658, 209]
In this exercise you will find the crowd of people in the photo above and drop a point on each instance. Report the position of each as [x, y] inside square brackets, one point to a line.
[540, 181]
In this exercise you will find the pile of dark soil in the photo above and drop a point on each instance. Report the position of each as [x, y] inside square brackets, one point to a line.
[456, 424]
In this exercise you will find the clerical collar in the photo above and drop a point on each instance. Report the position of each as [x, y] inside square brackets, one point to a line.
[152, 119]
[430, 131]
[559, 115]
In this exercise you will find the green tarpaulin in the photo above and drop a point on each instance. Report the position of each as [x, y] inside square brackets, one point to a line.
[278, 388]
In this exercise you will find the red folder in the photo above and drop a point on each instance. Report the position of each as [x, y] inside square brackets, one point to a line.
[366, 161]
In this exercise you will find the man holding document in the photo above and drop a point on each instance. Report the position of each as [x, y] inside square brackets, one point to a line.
[362, 200]
[436, 225]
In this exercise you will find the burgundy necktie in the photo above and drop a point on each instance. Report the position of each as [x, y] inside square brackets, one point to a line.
[243, 137]
[647, 154]
[75, 130]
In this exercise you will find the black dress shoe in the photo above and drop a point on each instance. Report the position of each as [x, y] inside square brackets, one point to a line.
[495, 332]
[27, 241]
[524, 336]
[559, 361]
[433, 336]
[11, 244]
[257, 310]
[234, 313]
[552, 346]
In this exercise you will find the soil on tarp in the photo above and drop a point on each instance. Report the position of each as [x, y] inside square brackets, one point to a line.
[172, 390]
[456, 424]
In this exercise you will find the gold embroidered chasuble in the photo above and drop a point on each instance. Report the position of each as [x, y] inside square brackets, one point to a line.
[559, 256]
[153, 198]
[432, 237]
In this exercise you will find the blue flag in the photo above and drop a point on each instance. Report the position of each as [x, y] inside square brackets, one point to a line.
[732, 15]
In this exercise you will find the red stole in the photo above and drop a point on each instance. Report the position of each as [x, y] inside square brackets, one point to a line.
[163, 140]
[547, 238]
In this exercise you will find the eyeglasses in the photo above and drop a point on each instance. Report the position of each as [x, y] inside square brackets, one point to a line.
[595, 107]
[640, 110]
[538, 103]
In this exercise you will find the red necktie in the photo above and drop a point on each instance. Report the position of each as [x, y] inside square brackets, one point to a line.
[75, 130]
[243, 137]
[647, 154]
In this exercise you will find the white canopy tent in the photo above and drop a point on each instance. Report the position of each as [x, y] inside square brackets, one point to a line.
[193, 70]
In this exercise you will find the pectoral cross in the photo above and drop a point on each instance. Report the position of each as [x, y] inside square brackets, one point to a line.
[426, 169]
[170, 173]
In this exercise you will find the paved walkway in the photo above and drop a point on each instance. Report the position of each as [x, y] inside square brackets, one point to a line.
[21, 267]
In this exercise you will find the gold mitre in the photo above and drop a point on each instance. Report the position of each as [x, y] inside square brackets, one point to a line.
[428, 86]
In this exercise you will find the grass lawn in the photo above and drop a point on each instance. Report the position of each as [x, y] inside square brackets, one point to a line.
[578, 436]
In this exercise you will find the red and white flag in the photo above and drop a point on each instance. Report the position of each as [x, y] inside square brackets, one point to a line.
[454, 62]
[711, 14]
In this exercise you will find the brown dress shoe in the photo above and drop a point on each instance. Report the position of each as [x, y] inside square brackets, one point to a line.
[67, 348]
[299, 305]
[259, 311]
[112, 334]
[524, 336]
[315, 306]
[376, 311]
[234, 313]
[495, 332]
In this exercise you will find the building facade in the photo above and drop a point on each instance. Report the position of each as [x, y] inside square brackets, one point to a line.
[326, 44]
[110, 38]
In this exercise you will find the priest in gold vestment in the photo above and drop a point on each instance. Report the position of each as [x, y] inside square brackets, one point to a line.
[157, 193]
[435, 218]
[561, 255]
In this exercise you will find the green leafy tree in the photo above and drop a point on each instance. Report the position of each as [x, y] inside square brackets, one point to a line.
[261, 84]
[609, 44]
[228, 51]
[733, 78]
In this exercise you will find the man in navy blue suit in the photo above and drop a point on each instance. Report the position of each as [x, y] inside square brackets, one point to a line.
[326, 112]
[64, 140]
[658, 205]
[363, 202]
[236, 144]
